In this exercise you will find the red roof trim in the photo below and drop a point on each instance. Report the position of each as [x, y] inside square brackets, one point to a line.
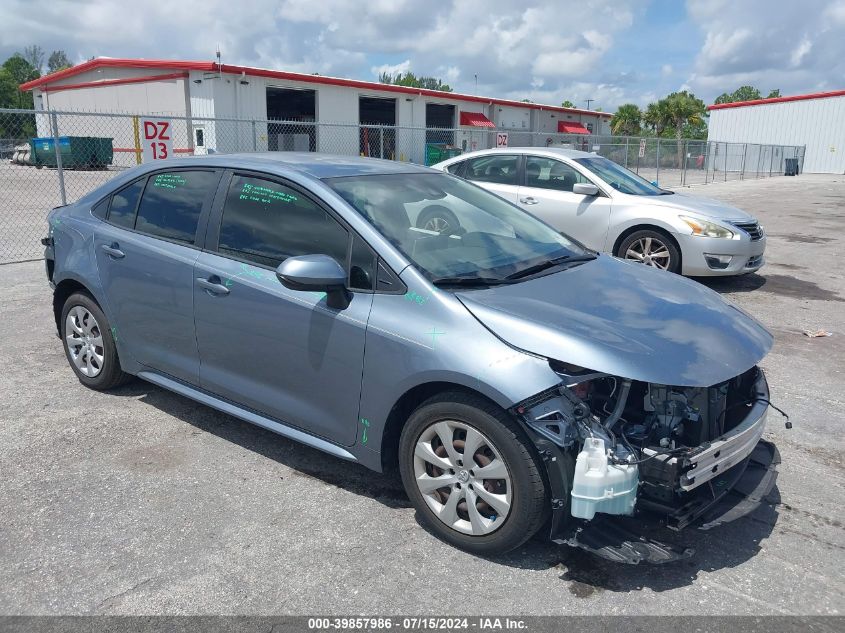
[107, 62]
[740, 104]
[116, 82]
[571, 127]
[475, 119]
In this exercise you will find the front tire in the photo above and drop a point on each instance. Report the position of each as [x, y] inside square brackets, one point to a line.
[652, 248]
[89, 344]
[440, 219]
[472, 474]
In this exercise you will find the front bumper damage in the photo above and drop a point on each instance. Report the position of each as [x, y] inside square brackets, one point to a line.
[715, 483]
[736, 494]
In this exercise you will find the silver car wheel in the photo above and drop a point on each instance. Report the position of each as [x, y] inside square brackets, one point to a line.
[436, 223]
[84, 341]
[462, 477]
[651, 252]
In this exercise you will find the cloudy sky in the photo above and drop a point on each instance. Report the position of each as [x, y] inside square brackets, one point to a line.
[611, 51]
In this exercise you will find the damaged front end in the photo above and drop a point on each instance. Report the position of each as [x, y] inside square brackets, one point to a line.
[616, 447]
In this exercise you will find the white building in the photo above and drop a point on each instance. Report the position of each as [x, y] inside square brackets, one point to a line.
[327, 114]
[816, 121]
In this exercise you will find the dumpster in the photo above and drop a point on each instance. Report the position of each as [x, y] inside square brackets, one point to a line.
[790, 166]
[78, 152]
[435, 152]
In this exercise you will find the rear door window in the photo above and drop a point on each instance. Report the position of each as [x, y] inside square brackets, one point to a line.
[171, 204]
[497, 168]
[266, 222]
[548, 173]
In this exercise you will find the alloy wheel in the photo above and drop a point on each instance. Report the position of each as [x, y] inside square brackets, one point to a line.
[649, 251]
[84, 341]
[462, 477]
[437, 223]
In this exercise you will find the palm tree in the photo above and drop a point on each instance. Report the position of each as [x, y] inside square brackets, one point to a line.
[626, 121]
[684, 108]
[656, 117]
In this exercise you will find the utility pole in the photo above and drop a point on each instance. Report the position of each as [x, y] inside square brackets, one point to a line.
[476, 83]
[589, 101]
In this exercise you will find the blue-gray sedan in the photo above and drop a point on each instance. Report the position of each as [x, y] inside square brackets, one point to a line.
[509, 373]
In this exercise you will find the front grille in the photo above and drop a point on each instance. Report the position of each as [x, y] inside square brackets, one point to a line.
[752, 228]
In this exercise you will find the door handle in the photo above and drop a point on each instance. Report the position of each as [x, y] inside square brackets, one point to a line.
[214, 288]
[113, 251]
[528, 200]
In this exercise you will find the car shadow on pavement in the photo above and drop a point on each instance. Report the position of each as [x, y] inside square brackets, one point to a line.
[722, 547]
[739, 283]
[303, 460]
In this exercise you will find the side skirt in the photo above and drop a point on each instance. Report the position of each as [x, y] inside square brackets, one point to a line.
[245, 414]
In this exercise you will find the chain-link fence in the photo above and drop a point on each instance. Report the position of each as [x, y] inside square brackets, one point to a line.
[53, 158]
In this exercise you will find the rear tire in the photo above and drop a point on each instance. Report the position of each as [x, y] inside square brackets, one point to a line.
[89, 344]
[507, 507]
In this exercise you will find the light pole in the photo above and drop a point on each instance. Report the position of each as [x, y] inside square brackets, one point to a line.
[589, 101]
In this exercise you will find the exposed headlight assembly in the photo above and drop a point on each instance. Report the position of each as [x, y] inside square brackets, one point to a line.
[704, 228]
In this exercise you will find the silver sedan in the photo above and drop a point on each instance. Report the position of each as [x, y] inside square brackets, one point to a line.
[611, 209]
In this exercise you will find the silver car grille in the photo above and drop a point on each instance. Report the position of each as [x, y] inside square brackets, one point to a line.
[752, 228]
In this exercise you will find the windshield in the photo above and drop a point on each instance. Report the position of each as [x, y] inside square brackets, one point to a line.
[620, 178]
[454, 230]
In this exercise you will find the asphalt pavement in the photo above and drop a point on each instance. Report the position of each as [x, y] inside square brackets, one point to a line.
[143, 502]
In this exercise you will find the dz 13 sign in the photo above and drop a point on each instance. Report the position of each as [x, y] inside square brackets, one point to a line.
[156, 139]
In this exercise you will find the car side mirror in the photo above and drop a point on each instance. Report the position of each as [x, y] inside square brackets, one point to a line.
[316, 273]
[585, 189]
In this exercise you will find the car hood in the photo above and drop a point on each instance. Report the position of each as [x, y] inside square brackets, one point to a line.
[703, 207]
[625, 319]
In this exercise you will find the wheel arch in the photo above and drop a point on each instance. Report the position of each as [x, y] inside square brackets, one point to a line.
[64, 289]
[402, 409]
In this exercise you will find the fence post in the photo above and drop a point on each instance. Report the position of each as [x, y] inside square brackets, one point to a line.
[771, 158]
[254, 138]
[657, 175]
[381, 141]
[626, 151]
[55, 125]
[742, 170]
[136, 137]
[686, 160]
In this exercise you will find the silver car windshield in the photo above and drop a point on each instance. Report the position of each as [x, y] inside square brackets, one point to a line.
[620, 178]
[453, 230]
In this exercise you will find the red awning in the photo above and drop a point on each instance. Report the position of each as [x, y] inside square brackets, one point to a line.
[571, 127]
[475, 119]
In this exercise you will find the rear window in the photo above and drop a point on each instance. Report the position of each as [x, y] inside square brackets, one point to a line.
[172, 202]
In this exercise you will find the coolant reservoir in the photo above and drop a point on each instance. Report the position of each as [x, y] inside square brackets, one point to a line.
[602, 487]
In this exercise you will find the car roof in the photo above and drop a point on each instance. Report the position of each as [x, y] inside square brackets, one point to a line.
[308, 163]
[551, 152]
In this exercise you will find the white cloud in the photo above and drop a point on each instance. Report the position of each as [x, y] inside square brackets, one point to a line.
[793, 46]
[392, 69]
[506, 44]
[544, 50]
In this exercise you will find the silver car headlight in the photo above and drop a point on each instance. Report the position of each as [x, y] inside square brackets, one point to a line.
[703, 228]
